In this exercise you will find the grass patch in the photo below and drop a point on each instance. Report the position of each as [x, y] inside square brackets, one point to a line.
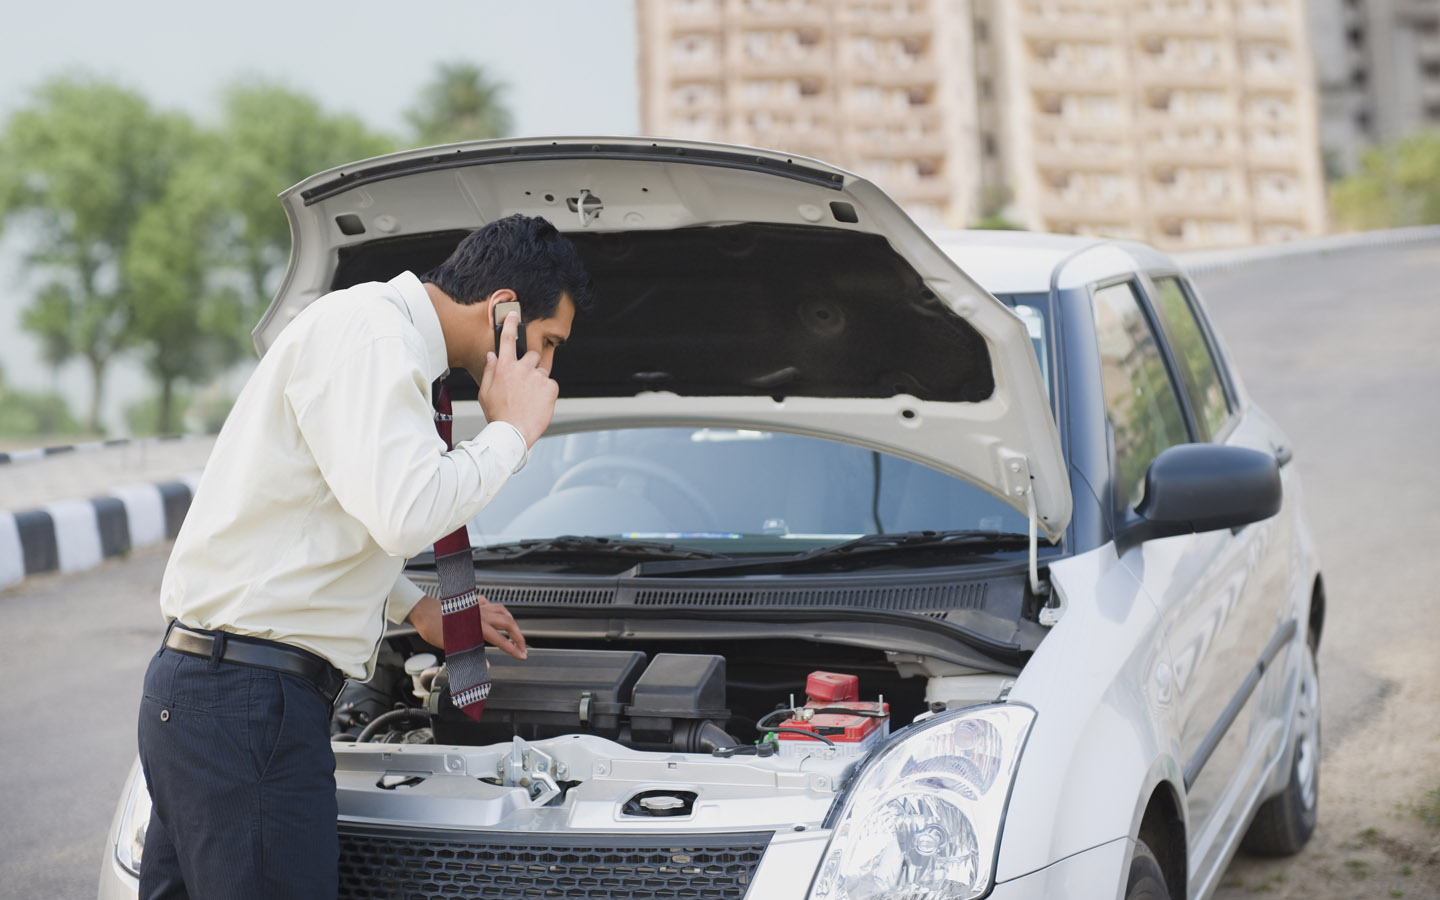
[1270, 884]
[1428, 809]
[1358, 868]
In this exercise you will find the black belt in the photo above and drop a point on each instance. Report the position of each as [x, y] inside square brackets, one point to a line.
[258, 652]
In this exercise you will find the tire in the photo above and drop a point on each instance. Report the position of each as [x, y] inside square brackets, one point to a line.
[1284, 823]
[1147, 879]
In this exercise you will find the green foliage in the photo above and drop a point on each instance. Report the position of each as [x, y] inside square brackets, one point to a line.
[997, 222]
[24, 413]
[1396, 184]
[994, 199]
[188, 321]
[272, 137]
[462, 103]
[78, 166]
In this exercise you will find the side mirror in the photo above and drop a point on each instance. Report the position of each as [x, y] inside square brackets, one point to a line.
[1192, 488]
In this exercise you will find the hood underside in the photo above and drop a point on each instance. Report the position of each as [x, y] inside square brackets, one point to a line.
[753, 309]
[735, 287]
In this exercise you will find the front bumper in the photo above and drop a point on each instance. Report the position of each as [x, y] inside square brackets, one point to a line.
[790, 862]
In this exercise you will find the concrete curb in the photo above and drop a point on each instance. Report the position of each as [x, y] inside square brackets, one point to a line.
[70, 535]
[1208, 262]
[20, 456]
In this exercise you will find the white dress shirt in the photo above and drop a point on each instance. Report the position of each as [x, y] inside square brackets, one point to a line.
[327, 476]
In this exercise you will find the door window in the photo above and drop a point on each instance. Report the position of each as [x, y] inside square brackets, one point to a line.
[1198, 371]
[1141, 404]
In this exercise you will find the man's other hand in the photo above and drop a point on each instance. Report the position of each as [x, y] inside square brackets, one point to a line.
[517, 391]
[496, 624]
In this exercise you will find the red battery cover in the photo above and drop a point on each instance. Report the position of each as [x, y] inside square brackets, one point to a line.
[831, 690]
[827, 687]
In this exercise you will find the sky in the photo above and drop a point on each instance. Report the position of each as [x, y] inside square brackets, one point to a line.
[570, 66]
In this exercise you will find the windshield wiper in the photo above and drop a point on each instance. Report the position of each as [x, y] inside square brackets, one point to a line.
[588, 546]
[966, 541]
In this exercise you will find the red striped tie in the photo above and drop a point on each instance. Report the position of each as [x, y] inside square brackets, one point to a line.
[460, 602]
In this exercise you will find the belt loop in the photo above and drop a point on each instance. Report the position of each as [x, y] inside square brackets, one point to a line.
[217, 649]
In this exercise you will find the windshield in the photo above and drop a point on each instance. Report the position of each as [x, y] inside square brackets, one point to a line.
[728, 491]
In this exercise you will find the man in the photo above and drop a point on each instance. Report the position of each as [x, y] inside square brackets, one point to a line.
[328, 474]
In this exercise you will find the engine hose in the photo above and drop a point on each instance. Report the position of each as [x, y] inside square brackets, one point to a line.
[763, 725]
[385, 719]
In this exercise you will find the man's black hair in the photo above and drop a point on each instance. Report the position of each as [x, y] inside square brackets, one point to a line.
[523, 253]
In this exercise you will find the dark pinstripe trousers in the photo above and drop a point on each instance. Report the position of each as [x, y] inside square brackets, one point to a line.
[242, 778]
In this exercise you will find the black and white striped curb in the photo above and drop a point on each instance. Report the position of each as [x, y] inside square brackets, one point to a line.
[19, 456]
[71, 535]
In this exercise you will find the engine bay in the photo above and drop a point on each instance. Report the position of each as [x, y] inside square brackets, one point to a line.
[722, 698]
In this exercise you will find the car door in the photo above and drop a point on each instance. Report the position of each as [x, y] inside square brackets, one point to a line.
[1201, 584]
[1217, 413]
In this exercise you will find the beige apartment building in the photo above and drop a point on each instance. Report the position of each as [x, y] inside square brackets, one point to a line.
[1188, 123]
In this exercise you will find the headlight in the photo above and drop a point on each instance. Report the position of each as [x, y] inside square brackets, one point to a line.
[130, 842]
[921, 820]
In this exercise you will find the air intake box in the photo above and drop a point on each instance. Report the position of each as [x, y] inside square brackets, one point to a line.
[551, 693]
[676, 696]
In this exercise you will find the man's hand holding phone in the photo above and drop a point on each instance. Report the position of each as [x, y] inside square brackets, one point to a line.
[514, 388]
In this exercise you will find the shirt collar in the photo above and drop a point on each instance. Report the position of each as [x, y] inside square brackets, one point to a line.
[422, 313]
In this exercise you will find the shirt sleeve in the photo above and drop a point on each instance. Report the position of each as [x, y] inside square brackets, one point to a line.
[402, 599]
[369, 425]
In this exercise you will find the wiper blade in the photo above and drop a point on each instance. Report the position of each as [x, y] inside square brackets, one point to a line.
[967, 541]
[913, 540]
[588, 546]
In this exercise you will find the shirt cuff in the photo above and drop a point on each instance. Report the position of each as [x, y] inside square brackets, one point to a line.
[402, 599]
[510, 444]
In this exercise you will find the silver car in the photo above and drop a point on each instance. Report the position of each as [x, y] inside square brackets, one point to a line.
[858, 562]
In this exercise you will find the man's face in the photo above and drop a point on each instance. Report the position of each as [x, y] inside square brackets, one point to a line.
[546, 335]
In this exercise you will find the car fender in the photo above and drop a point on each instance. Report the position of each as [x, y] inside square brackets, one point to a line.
[1104, 734]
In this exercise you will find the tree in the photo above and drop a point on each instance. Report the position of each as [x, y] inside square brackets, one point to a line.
[272, 137]
[77, 167]
[187, 322]
[462, 103]
[1396, 184]
[994, 199]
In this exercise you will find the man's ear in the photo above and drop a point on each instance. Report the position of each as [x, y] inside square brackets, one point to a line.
[504, 295]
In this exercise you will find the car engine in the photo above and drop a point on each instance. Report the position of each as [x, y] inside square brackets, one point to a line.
[658, 701]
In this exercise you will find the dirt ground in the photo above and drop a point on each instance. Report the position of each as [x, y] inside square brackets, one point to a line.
[1379, 831]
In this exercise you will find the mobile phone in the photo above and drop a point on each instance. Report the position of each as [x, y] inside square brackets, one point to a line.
[501, 311]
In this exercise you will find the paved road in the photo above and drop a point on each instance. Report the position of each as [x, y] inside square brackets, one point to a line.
[1338, 349]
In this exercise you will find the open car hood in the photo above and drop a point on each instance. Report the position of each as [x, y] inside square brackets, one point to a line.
[736, 288]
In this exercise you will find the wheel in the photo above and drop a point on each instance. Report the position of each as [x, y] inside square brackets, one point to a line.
[1284, 823]
[1147, 880]
[588, 470]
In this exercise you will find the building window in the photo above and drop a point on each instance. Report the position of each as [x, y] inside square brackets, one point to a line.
[987, 140]
[987, 89]
[982, 31]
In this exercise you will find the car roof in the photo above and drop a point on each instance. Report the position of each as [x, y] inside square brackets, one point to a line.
[1024, 262]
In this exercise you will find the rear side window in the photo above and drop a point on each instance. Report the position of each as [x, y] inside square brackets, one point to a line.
[1198, 371]
[1141, 404]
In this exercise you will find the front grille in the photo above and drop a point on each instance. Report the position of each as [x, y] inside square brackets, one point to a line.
[384, 863]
